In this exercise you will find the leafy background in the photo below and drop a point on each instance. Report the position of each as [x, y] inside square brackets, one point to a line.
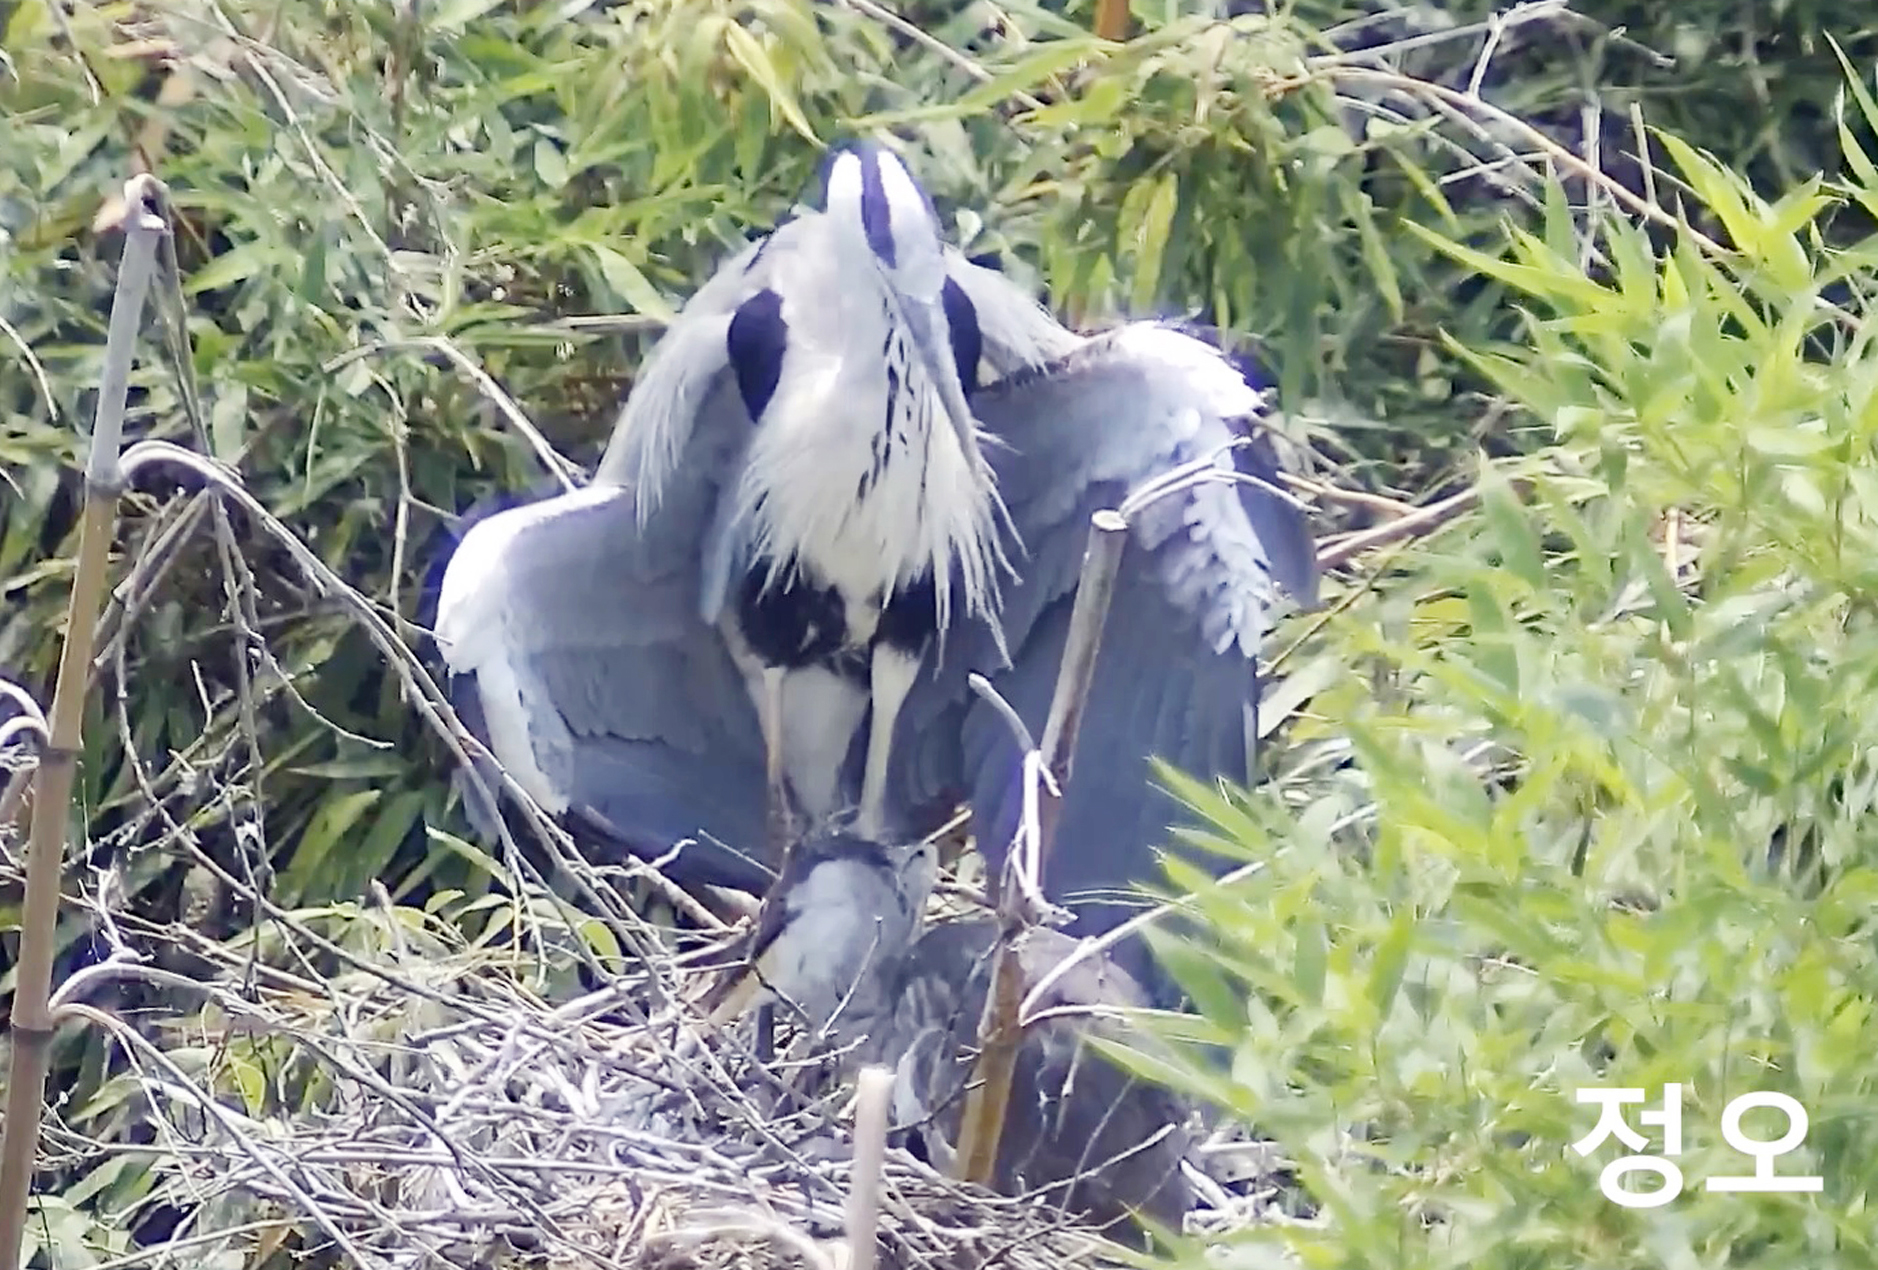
[1574, 790]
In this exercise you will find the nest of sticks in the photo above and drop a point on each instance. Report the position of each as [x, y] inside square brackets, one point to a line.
[428, 1104]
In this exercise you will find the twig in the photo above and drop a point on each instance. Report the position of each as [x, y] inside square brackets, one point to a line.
[704, 1227]
[1354, 497]
[873, 1089]
[58, 763]
[1100, 944]
[563, 471]
[1418, 524]
[888, 17]
[32, 363]
[1108, 535]
[1557, 153]
[29, 725]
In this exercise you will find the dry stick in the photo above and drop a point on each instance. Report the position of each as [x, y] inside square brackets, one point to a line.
[52, 783]
[27, 724]
[999, 1031]
[1419, 523]
[872, 1090]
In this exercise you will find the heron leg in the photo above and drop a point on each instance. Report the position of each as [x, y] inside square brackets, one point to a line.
[892, 673]
[782, 826]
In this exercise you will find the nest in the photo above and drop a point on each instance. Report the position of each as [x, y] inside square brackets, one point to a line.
[433, 1107]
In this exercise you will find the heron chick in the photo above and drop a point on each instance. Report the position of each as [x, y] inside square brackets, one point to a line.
[843, 909]
[838, 937]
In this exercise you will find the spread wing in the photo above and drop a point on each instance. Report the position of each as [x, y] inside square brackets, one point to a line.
[576, 652]
[1195, 596]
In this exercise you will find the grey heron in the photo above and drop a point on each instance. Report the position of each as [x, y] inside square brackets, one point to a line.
[791, 497]
[792, 506]
[838, 918]
[836, 937]
[862, 503]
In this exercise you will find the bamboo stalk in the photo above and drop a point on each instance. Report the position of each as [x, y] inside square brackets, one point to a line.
[1111, 19]
[872, 1094]
[1000, 1032]
[31, 1024]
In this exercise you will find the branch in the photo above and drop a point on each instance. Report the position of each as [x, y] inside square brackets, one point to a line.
[144, 231]
[27, 725]
[1417, 524]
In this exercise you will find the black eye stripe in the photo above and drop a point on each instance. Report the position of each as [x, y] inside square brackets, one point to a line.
[876, 221]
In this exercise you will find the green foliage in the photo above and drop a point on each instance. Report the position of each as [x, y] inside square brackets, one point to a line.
[1602, 818]
[1612, 788]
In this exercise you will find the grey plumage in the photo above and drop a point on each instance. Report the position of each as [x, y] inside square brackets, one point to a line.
[572, 635]
[581, 631]
[843, 911]
[1196, 594]
[588, 633]
[1089, 1136]
[836, 936]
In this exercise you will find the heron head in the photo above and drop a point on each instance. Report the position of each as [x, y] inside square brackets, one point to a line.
[869, 191]
[871, 194]
[832, 932]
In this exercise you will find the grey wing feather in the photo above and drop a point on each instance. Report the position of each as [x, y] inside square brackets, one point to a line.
[685, 367]
[1073, 1113]
[575, 627]
[1285, 534]
[1195, 596]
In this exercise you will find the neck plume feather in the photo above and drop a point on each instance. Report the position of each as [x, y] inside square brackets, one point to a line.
[867, 499]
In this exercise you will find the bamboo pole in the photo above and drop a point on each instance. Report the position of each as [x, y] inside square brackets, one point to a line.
[1001, 1029]
[31, 1024]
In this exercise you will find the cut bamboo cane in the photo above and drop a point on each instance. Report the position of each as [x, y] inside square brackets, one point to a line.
[31, 1024]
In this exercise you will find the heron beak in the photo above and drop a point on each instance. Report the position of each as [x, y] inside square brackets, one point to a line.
[926, 317]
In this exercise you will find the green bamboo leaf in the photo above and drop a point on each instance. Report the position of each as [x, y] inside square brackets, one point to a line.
[330, 826]
[1391, 961]
[1157, 221]
[1719, 191]
[1033, 68]
[629, 284]
[1310, 961]
[250, 1081]
[754, 58]
[1511, 529]
[453, 15]
[1552, 283]
[550, 163]
[237, 264]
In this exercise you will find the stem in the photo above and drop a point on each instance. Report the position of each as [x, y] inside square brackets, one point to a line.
[1111, 19]
[1108, 534]
[999, 1031]
[873, 1090]
[52, 783]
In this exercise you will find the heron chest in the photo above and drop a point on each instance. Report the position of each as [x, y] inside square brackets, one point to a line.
[797, 619]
